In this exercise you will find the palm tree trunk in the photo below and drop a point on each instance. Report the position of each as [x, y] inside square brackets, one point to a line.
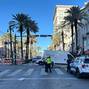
[30, 51]
[21, 29]
[63, 40]
[72, 36]
[5, 49]
[15, 50]
[27, 46]
[30, 48]
[11, 44]
[76, 32]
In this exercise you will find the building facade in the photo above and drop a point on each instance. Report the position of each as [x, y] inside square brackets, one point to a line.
[61, 36]
[83, 32]
[62, 39]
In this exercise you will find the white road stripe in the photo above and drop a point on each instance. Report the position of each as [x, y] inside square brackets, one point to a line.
[58, 71]
[29, 72]
[20, 79]
[43, 72]
[4, 72]
[15, 72]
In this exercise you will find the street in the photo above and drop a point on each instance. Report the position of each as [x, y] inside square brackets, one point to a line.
[32, 76]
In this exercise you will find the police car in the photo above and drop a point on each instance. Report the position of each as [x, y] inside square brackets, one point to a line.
[80, 66]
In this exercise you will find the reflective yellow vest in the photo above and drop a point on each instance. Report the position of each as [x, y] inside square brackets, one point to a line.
[49, 61]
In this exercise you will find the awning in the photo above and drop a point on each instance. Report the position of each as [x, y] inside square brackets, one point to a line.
[86, 52]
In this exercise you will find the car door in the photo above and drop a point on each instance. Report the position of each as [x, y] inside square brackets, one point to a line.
[74, 65]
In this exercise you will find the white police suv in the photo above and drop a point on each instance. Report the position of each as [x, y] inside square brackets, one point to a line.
[80, 66]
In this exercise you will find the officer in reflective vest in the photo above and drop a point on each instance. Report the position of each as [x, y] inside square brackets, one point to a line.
[49, 62]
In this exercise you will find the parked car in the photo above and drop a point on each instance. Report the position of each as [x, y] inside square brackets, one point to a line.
[36, 58]
[80, 66]
[40, 62]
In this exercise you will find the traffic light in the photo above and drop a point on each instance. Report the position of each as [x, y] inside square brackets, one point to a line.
[45, 35]
[49, 35]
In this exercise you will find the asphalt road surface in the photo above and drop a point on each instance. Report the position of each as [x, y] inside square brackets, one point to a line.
[31, 76]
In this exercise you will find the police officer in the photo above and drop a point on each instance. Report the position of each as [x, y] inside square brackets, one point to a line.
[69, 60]
[49, 62]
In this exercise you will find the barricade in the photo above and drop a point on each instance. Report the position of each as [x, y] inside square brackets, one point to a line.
[19, 61]
[0, 62]
[7, 61]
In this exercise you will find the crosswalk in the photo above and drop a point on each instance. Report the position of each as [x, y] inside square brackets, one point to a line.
[15, 72]
[42, 72]
[28, 72]
[4, 72]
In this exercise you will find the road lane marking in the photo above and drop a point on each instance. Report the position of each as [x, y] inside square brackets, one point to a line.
[29, 72]
[15, 72]
[4, 72]
[43, 72]
[21, 79]
[58, 71]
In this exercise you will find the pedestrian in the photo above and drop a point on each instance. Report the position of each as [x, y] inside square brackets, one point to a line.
[69, 60]
[68, 65]
[45, 63]
[52, 64]
[48, 65]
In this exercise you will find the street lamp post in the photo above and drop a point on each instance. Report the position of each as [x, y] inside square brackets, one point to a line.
[8, 49]
[11, 43]
[5, 44]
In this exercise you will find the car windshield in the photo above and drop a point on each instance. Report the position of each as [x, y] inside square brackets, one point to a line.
[86, 60]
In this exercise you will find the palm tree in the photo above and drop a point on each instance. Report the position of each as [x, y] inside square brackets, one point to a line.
[18, 22]
[30, 26]
[68, 21]
[77, 16]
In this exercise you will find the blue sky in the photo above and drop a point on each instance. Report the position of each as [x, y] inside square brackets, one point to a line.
[41, 11]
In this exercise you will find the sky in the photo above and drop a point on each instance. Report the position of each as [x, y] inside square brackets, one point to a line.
[41, 11]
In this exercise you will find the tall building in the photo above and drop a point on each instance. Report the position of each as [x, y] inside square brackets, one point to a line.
[83, 32]
[61, 36]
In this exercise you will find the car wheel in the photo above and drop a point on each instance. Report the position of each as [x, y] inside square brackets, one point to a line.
[78, 73]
